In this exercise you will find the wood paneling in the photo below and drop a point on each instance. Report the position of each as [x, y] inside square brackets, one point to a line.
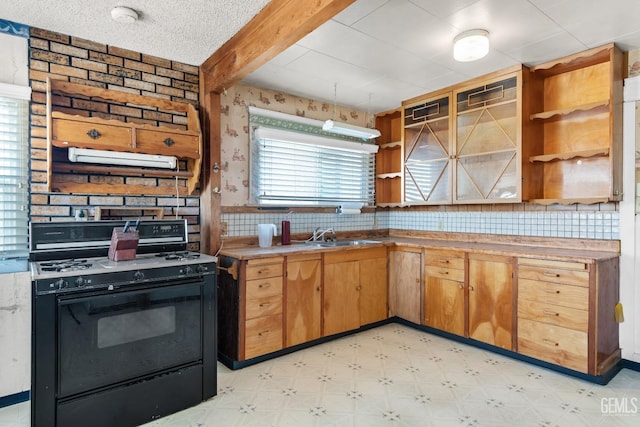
[405, 284]
[373, 290]
[341, 297]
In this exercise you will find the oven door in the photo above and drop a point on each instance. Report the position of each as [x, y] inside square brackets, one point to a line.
[114, 336]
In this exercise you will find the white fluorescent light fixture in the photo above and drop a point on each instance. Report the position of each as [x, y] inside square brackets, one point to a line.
[85, 155]
[471, 45]
[350, 130]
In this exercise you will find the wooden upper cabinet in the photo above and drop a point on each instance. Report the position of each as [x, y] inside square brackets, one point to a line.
[574, 135]
[428, 151]
[488, 140]
[65, 130]
[463, 144]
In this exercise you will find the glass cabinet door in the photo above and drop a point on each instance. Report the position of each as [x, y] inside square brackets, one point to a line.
[428, 153]
[488, 138]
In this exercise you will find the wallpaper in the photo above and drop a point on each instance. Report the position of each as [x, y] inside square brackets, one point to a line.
[235, 130]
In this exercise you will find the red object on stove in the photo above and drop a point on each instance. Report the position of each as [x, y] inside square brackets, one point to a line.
[123, 245]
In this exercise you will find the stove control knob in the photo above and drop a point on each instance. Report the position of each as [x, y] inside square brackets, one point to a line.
[201, 268]
[61, 284]
[188, 270]
[80, 282]
[138, 275]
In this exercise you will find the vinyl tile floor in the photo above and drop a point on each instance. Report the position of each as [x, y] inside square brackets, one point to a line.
[394, 375]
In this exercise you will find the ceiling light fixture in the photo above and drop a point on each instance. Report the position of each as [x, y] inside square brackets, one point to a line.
[471, 45]
[350, 130]
[345, 128]
[124, 15]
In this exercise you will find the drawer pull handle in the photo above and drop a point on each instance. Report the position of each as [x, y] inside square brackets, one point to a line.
[548, 341]
[444, 261]
[551, 274]
[552, 291]
[168, 142]
[264, 285]
[264, 304]
[94, 134]
[551, 313]
[444, 272]
[263, 332]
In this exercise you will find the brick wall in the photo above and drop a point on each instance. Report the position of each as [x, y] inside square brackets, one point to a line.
[76, 60]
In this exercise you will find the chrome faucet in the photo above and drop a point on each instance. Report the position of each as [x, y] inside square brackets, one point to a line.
[319, 233]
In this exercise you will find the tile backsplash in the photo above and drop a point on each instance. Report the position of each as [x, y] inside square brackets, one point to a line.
[576, 224]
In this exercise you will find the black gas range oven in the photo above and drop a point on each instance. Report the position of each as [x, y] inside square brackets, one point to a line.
[119, 343]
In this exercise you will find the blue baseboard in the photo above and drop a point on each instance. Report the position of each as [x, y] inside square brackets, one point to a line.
[630, 364]
[12, 399]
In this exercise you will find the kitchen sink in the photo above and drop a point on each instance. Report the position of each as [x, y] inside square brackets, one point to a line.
[338, 243]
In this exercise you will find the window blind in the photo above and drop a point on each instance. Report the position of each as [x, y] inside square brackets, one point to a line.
[14, 178]
[299, 169]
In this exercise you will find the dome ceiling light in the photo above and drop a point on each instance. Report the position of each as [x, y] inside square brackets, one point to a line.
[124, 15]
[471, 45]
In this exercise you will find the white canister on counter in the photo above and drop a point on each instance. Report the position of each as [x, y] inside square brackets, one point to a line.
[265, 234]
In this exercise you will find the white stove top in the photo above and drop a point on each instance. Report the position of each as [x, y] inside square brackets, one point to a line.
[103, 265]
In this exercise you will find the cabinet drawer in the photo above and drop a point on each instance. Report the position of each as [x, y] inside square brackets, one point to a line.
[257, 307]
[263, 335]
[264, 287]
[69, 133]
[554, 275]
[260, 271]
[444, 261]
[444, 273]
[562, 346]
[554, 293]
[554, 314]
[167, 143]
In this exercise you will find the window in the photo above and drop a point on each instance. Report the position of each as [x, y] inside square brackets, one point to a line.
[301, 169]
[14, 177]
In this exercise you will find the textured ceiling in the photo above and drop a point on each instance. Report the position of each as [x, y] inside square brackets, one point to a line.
[371, 56]
[187, 31]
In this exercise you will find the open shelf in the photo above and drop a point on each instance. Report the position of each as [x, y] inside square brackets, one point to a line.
[599, 152]
[592, 106]
[389, 175]
[390, 145]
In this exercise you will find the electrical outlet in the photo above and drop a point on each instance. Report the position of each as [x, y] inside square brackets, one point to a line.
[440, 225]
[223, 228]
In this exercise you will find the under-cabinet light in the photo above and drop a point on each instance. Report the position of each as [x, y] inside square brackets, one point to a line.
[350, 130]
[85, 155]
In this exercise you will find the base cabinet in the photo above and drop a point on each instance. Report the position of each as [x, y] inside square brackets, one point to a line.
[355, 285]
[566, 313]
[491, 312]
[405, 283]
[444, 291]
[250, 307]
[303, 296]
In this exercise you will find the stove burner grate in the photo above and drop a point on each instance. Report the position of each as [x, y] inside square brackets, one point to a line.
[178, 255]
[65, 265]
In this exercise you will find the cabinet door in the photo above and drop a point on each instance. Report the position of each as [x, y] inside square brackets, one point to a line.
[428, 152]
[303, 301]
[373, 292]
[488, 142]
[491, 308]
[444, 304]
[341, 297]
[404, 284]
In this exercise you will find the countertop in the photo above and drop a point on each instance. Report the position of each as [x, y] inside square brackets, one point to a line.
[519, 249]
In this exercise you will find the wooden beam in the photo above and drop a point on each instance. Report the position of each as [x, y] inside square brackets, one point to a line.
[279, 25]
[210, 226]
